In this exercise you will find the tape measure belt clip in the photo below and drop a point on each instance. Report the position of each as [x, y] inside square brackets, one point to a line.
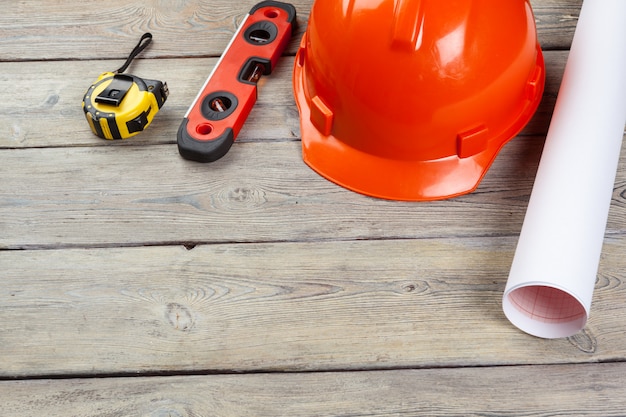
[115, 92]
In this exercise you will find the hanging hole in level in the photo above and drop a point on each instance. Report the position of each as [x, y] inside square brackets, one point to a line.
[204, 129]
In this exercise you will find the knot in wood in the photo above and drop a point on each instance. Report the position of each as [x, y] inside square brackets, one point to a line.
[179, 317]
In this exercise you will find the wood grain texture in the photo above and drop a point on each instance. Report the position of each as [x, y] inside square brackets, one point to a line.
[50, 96]
[556, 22]
[537, 391]
[42, 30]
[133, 282]
[36, 30]
[259, 192]
[138, 195]
[282, 307]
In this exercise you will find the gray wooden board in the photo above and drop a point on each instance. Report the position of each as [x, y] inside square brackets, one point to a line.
[42, 107]
[539, 391]
[258, 192]
[37, 30]
[282, 306]
[135, 195]
[257, 286]
[47, 97]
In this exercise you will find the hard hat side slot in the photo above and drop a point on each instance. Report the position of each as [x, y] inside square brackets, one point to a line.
[472, 141]
[321, 116]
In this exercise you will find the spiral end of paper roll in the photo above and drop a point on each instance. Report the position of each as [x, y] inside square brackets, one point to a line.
[544, 311]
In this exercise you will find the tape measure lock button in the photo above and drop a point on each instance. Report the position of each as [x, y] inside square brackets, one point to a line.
[139, 123]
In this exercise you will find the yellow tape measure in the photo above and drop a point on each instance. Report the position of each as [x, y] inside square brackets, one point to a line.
[118, 106]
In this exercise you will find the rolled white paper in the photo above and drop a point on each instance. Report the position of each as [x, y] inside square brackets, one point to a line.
[550, 286]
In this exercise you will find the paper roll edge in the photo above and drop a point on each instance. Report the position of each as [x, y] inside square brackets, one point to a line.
[544, 310]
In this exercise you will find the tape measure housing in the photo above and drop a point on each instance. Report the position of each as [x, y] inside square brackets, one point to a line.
[119, 106]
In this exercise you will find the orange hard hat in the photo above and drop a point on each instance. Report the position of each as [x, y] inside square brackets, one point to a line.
[413, 99]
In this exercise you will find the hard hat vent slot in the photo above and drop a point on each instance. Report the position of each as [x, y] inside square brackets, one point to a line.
[407, 24]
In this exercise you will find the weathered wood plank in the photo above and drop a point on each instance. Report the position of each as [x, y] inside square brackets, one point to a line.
[47, 98]
[45, 109]
[556, 22]
[284, 306]
[538, 391]
[258, 192]
[299, 275]
[40, 30]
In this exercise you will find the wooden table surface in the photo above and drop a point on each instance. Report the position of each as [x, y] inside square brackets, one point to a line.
[136, 283]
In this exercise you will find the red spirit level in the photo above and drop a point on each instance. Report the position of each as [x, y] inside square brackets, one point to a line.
[224, 102]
